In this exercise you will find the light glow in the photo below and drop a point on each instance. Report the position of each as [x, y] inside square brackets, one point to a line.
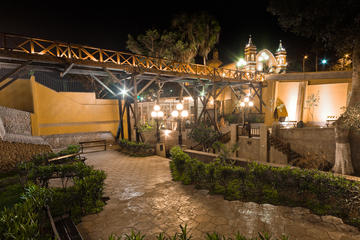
[246, 99]
[184, 114]
[175, 114]
[242, 104]
[251, 104]
[179, 106]
[241, 62]
[160, 114]
[157, 108]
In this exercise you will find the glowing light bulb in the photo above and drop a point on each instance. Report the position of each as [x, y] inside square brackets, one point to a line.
[179, 107]
[242, 104]
[157, 108]
[175, 113]
[160, 114]
[246, 99]
[184, 114]
[251, 104]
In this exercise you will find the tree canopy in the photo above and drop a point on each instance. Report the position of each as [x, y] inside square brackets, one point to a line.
[335, 23]
[190, 36]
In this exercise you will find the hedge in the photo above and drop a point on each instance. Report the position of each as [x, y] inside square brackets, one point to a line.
[323, 193]
[135, 149]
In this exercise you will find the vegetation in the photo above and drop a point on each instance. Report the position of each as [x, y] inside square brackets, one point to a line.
[191, 35]
[204, 135]
[185, 234]
[135, 149]
[323, 193]
[25, 218]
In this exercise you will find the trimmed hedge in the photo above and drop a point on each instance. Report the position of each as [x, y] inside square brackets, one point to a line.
[136, 149]
[322, 193]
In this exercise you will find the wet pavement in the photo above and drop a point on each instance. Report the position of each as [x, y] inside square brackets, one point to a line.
[143, 198]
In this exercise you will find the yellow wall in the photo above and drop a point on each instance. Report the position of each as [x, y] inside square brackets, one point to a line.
[332, 97]
[17, 95]
[287, 92]
[71, 112]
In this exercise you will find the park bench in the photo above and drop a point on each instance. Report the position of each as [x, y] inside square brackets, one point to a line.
[63, 227]
[66, 158]
[93, 144]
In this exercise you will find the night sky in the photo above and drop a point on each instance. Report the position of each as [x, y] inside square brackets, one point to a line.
[105, 25]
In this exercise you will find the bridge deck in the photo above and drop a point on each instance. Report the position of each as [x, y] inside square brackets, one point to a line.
[14, 47]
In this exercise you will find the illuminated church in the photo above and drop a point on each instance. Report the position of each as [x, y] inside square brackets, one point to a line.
[262, 61]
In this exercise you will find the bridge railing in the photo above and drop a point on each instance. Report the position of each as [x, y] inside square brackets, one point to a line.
[39, 46]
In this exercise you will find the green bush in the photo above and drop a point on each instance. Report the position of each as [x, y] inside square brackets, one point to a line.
[27, 219]
[323, 193]
[23, 220]
[185, 234]
[135, 149]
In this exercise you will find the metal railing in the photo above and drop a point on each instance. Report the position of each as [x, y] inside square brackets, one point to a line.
[37, 46]
[248, 130]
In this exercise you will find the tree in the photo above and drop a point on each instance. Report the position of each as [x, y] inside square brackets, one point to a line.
[200, 31]
[155, 44]
[336, 24]
[208, 34]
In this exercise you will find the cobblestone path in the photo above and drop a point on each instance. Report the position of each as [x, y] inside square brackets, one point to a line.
[143, 198]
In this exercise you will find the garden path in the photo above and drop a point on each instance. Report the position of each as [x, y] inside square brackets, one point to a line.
[143, 198]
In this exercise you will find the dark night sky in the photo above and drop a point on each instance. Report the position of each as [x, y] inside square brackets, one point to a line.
[104, 25]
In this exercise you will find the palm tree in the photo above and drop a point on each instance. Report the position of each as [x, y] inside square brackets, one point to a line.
[200, 31]
[208, 34]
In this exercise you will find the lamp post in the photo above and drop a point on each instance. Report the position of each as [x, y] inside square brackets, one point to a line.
[179, 114]
[324, 62]
[245, 105]
[304, 59]
[157, 114]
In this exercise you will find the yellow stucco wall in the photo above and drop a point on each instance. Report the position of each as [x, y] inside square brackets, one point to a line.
[332, 97]
[17, 95]
[71, 112]
[287, 92]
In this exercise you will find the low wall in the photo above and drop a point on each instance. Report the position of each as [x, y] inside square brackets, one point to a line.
[12, 153]
[320, 141]
[60, 141]
[249, 148]
[311, 140]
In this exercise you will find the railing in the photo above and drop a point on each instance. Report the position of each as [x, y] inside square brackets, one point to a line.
[248, 130]
[38, 46]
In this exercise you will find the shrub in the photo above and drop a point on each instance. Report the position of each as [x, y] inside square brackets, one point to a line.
[185, 234]
[321, 192]
[135, 149]
[27, 220]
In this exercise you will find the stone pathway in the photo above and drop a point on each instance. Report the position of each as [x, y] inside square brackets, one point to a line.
[143, 198]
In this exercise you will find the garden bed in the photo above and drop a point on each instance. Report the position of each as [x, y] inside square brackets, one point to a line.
[24, 217]
[322, 193]
[136, 149]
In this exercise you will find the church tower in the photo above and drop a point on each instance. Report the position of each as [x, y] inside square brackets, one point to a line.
[280, 56]
[250, 56]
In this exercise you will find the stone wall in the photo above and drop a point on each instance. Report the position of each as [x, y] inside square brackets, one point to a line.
[61, 141]
[15, 121]
[311, 140]
[320, 141]
[12, 153]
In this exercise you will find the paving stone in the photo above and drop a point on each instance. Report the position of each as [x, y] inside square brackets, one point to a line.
[143, 197]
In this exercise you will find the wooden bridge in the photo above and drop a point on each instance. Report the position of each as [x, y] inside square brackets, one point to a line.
[125, 69]
[47, 51]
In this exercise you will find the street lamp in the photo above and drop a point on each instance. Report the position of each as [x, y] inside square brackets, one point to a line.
[179, 114]
[305, 57]
[157, 114]
[247, 103]
[324, 62]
